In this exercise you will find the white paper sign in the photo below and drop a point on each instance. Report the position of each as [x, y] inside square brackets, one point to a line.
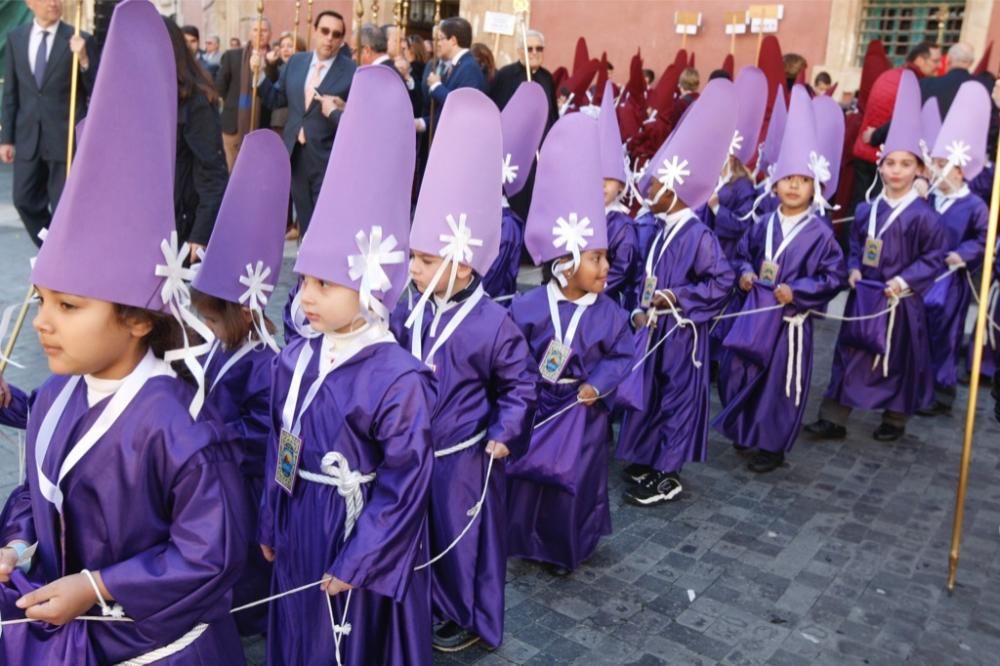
[498, 23]
[736, 29]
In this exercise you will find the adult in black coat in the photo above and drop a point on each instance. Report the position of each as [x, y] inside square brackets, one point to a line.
[34, 122]
[200, 173]
[324, 76]
[508, 78]
[458, 69]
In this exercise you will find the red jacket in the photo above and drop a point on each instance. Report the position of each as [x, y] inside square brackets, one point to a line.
[878, 110]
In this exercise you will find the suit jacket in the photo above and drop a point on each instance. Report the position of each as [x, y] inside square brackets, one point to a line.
[289, 92]
[511, 76]
[36, 119]
[200, 174]
[944, 88]
[227, 82]
[465, 74]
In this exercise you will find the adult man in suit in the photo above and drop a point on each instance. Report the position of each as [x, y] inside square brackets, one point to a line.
[313, 87]
[453, 39]
[944, 88]
[374, 47]
[34, 125]
[508, 78]
[234, 82]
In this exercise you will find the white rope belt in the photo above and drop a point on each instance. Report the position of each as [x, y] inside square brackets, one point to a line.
[796, 343]
[156, 655]
[461, 446]
[348, 482]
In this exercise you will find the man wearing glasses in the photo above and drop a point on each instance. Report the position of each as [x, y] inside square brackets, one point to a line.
[313, 87]
[510, 77]
[457, 68]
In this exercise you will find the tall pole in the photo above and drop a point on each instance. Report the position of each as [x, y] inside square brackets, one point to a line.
[982, 321]
[406, 17]
[359, 17]
[309, 28]
[256, 69]
[295, 28]
[374, 9]
[74, 84]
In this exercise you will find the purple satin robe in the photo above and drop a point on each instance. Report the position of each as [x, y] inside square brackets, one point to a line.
[947, 301]
[673, 427]
[241, 400]
[484, 383]
[756, 410]
[158, 506]
[501, 279]
[913, 248]
[735, 200]
[547, 524]
[625, 266]
[375, 410]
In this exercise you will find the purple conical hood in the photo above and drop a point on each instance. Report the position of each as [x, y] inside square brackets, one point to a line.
[775, 131]
[799, 142]
[458, 211]
[118, 204]
[250, 228]
[523, 121]
[905, 128]
[690, 160]
[962, 139]
[360, 229]
[830, 128]
[751, 97]
[612, 153]
[930, 122]
[567, 202]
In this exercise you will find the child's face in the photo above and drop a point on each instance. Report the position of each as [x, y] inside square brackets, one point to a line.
[668, 202]
[899, 169]
[329, 307]
[592, 275]
[795, 192]
[612, 188]
[212, 319]
[85, 336]
[953, 181]
[422, 269]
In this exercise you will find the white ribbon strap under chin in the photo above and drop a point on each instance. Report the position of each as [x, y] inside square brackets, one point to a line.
[958, 156]
[884, 358]
[176, 295]
[819, 166]
[338, 474]
[374, 252]
[255, 298]
[457, 249]
[571, 233]
[796, 341]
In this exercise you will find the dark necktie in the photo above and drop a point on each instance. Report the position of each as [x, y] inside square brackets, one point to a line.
[41, 59]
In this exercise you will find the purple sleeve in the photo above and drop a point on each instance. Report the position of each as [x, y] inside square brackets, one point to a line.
[859, 231]
[254, 424]
[624, 250]
[513, 385]
[747, 252]
[15, 415]
[268, 496]
[184, 577]
[827, 276]
[705, 296]
[382, 550]
[734, 203]
[18, 521]
[929, 262]
[973, 248]
[618, 357]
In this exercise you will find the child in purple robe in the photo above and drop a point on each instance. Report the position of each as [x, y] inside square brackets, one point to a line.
[349, 465]
[958, 156]
[240, 270]
[687, 281]
[727, 211]
[485, 388]
[581, 346]
[882, 358]
[131, 510]
[792, 259]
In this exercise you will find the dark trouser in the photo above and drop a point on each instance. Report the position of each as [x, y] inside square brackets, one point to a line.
[307, 177]
[38, 184]
[833, 411]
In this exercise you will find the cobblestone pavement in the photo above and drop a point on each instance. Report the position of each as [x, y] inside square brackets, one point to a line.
[840, 557]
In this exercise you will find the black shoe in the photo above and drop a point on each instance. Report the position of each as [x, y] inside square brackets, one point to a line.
[766, 461]
[887, 432]
[635, 472]
[656, 488]
[823, 429]
[449, 637]
[937, 409]
[557, 570]
[742, 450]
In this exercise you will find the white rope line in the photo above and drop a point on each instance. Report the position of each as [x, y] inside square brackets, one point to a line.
[342, 629]
[796, 343]
[167, 650]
